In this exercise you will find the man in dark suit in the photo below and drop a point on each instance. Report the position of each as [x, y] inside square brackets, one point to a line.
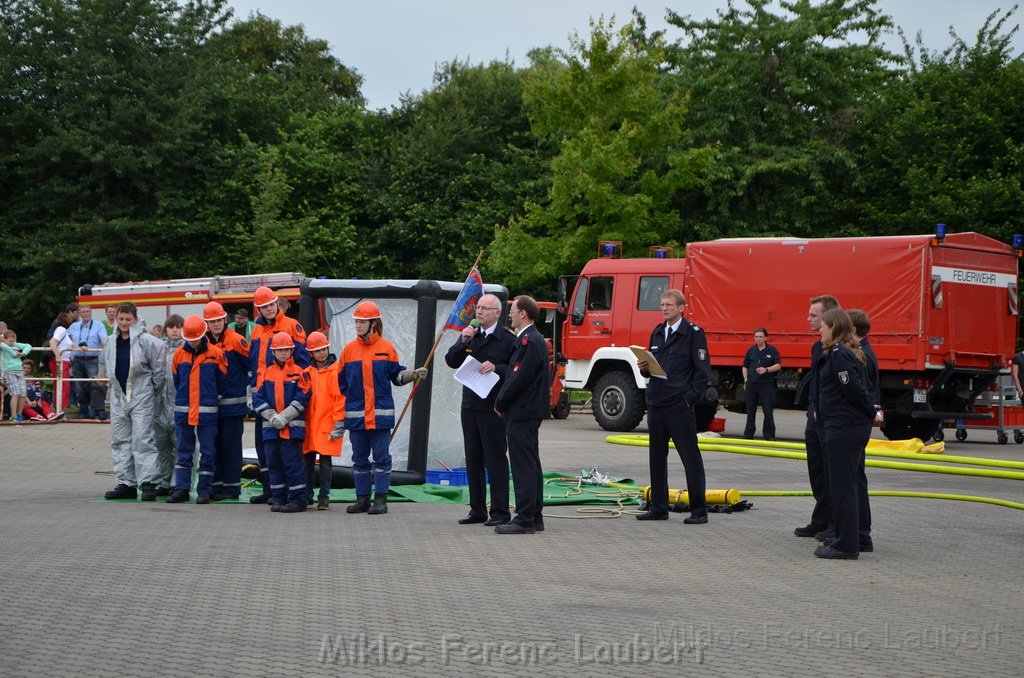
[524, 402]
[483, 431]
[681, 349]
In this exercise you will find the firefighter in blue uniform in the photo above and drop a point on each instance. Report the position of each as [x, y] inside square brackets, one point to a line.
[681, 349]
[846, 411]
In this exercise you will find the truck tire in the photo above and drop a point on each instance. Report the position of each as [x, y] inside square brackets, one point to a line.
[562, 407]
[905, 428]
[618, 404]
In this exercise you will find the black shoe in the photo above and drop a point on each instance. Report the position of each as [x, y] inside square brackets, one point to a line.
[362, 505]
[203, 498]
[695, 520]
[293, 507]
[538, 527]
[259, 499]
[177, 497]
[148, 492]
[380, 505]
[122, 492]
[807, 531]
[276, 506]
[309, 501]
[825, 535]
[652, 515]
[514, 528]
[472, 520]
[491, 522]
[324, 504]
[834, 554]
[865, 547]
[223, 497]
[163, 491]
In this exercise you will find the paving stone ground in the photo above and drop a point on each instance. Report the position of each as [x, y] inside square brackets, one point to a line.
[116, 589]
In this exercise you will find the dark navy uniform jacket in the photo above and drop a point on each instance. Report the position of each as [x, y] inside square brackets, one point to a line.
[495, 348]
[757, 358]
[843, 396]
[525, 393]
[874, 387]
[684, 357]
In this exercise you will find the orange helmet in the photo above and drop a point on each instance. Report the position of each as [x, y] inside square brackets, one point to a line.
[214, 311]
[366, 310]
[194, 328]
[281, 340]
[263, 296]
[316, 340]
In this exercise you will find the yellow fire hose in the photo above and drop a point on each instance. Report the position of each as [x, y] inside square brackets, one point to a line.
[780, 450]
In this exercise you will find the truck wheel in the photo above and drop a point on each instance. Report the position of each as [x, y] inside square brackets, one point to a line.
[1018, 437]
[618, 404]
[961, 434]
[1002, 437]
[562, 407]
[939, 436]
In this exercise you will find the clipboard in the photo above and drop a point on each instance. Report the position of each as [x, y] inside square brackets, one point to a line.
[654, 368]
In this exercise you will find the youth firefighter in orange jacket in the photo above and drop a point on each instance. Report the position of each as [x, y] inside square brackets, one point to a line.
[280, 400]
[325, 418]
[200, 373]
[270, 320]
[232, 408]
[369, 365]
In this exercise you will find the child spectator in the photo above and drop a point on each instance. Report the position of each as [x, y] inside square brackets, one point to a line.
[369, 365]
[166, 439]
[60, 363]
[14, 374]
[280, 398]
[200, 370]
[36, 408]
[325, 418]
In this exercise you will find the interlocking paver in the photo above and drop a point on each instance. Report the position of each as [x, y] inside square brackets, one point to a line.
[104, 589]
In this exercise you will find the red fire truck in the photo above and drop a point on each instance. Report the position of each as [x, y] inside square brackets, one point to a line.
[944, 316]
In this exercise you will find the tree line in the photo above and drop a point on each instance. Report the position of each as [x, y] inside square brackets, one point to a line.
[148, 139]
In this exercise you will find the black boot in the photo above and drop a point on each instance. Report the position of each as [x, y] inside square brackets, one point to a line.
[259, 499]
[380, 505]
[148, 492]
[177, 497]
[362, 505]
[122, 492]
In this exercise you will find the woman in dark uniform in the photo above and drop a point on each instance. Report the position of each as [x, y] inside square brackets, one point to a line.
[846, 408]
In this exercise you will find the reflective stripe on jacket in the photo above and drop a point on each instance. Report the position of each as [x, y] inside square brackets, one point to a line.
[236, 351]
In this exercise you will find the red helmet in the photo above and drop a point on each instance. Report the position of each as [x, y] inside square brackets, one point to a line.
[263, 296]
[214, 311]
[366, 310]
[281, 340]
[316, 340]
[194, 328]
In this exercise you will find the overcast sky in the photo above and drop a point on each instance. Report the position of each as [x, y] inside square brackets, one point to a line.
[395, 44]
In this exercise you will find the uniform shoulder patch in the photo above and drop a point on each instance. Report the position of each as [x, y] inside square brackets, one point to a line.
[844, 377]
[298, 328]
[695, 326]
[526, 340]
[702, 354]
[243, 343]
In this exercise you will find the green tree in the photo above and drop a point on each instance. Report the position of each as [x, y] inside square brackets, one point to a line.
[459, 160]
[621, 162]
[946, 141]
[780, 95]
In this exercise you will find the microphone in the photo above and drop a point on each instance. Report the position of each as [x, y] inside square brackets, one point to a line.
[475, 324]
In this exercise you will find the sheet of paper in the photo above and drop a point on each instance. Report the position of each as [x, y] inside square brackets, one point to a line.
[654, 368]
[469, 376]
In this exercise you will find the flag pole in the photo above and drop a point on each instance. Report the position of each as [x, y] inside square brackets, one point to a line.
[430, 356]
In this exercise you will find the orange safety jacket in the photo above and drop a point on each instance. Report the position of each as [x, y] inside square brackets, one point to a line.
[326, 406]
[260, 355]
[281, 386]
[200, 377]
